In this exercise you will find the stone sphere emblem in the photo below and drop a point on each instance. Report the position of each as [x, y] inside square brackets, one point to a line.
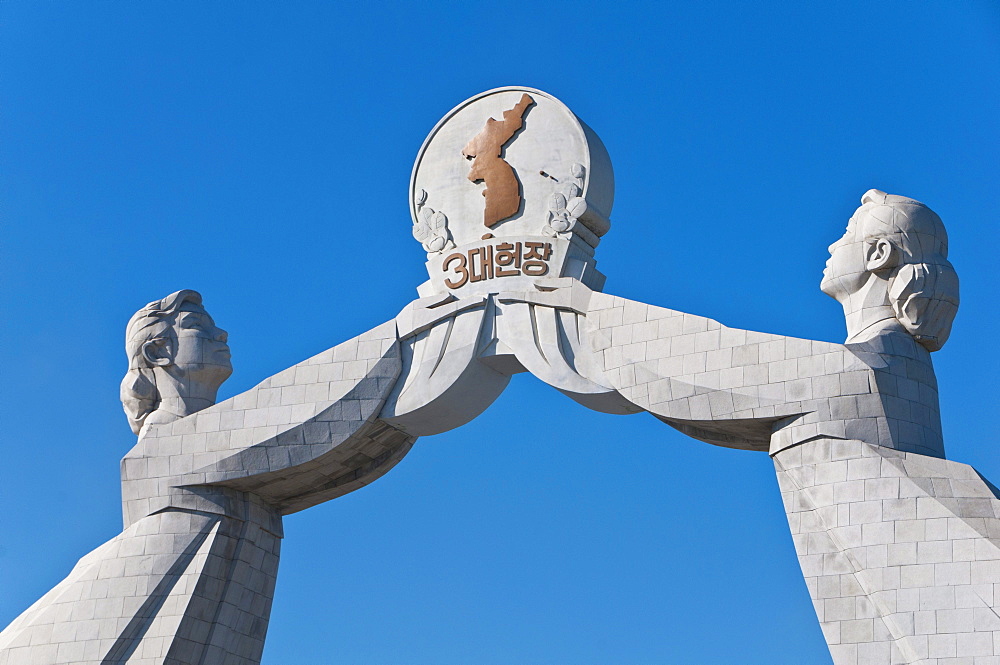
[500, 162]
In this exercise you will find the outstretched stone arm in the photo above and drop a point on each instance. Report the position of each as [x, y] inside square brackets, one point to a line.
[303, 436]
[759, 391]
[191, 578]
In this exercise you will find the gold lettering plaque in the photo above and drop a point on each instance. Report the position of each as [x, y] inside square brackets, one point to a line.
[497, 259]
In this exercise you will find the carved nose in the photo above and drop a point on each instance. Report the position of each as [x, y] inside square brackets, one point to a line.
[221, 335]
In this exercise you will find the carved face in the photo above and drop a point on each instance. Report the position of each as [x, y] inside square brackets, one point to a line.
[845, 270]
[201, 351]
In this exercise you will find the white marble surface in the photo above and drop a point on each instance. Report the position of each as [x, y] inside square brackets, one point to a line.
[899, 547]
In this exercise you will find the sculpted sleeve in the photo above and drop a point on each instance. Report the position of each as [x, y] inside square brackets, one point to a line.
[723, 385]
[304, 436]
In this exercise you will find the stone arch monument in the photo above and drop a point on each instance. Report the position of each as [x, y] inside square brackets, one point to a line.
[510, 196]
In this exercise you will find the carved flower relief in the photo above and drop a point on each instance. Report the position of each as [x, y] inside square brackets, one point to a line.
[566, 205]
[431, 228]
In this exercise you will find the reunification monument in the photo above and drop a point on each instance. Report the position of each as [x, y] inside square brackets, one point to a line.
[510, 196]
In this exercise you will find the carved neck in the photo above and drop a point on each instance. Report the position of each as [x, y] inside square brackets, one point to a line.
[173, 408]
[873, 328]
[868, 312]
[180, 396]
[179, 407]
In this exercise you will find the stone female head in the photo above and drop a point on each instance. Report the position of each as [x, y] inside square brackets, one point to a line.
[177, 358]
[892, 263]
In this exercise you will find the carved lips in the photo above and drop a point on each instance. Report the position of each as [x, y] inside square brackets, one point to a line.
[503, 190]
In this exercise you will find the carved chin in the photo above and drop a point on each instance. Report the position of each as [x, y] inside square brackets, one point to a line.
[225, 371]
[832, 287]
[826, 284]
[216, 373]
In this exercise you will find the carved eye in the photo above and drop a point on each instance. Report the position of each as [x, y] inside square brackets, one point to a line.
[195, 321]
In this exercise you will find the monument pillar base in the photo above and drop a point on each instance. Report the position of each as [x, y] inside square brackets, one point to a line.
[900, 552]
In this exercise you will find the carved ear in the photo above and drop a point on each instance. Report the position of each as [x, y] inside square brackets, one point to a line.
[157, 352]
[880, 255]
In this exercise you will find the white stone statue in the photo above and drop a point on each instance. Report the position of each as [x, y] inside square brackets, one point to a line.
[177, 359]
[891, 271]
[900, 548]
[191, 578]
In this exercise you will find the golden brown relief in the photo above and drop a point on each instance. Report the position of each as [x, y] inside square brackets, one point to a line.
[503, 190]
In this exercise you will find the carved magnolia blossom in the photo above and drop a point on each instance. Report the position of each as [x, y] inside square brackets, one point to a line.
[566, 205]
[431, 229]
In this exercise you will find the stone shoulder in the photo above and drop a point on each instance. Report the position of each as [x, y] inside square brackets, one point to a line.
[762, 391]
[313, 417]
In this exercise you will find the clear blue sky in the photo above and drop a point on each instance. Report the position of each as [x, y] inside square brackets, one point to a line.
[261, 152]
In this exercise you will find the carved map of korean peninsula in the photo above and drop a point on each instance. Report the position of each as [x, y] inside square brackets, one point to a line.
[503, 190]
